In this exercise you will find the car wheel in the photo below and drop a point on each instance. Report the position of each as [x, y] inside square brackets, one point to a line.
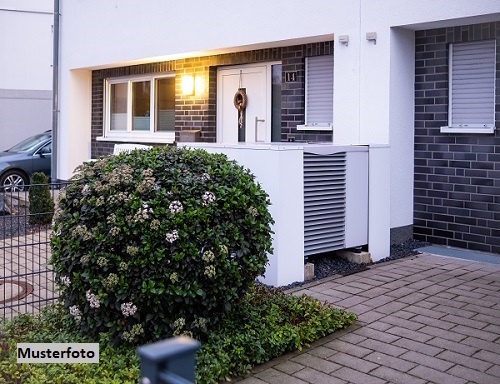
[13, 181]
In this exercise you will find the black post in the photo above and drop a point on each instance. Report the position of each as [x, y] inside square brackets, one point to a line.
[169, 361]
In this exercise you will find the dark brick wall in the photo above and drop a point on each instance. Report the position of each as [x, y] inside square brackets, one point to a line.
[457, 176]
[193, 112]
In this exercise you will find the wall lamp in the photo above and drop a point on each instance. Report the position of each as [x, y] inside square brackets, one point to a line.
[192, 85]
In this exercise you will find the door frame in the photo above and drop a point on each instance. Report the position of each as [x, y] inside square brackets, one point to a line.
[268, 65]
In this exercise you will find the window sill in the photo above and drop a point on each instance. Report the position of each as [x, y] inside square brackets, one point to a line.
[448, 129]
[157, 138]
[315, 127]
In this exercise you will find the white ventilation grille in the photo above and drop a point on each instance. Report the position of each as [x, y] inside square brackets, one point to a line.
[324, 202]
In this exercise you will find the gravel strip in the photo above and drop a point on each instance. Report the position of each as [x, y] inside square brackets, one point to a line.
[328, 265]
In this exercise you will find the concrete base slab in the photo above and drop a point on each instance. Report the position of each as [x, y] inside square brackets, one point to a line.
[308, 271]
[355, 257]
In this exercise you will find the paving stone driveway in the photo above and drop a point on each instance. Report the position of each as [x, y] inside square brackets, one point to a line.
[425, 319]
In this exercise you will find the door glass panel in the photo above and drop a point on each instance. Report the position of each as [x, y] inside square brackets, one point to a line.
[276, 102]
[118, 107]
[165, 104]
[141, 105]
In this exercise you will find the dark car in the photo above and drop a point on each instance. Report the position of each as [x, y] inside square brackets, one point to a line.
[18, 163]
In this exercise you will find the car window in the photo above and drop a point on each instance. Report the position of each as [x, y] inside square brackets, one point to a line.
[46, 149]
[30, 143]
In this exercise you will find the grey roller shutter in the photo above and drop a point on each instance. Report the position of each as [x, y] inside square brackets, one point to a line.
[472, 88]
[319, 90]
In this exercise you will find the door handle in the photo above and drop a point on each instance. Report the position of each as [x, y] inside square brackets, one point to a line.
[257, 121]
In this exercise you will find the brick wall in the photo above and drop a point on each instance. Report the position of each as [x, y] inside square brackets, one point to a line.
[200, 112]
[457, 176]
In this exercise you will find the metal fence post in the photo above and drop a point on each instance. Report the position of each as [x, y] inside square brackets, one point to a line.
[170, 361]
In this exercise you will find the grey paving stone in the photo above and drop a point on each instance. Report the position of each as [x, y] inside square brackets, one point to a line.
[425, 312]
[492, 328]
[370, 316]
[409, 324]
[482, 344]
[473, 375]
[487, 356]
[418, 347]
[413, 298]
[351, 301]
[435, 376]
[289, 367]
[400, 292]
[377, 335]
[438, 332]
[378, 301]
[461, 348]
[466, 361]
[356, 377]
[315, 362]
[486, 319]
[421, 284]
[485, 311]
[494, 371]
[474, 332]
[409, 334]
[481, 302]
[359, 309]
[403, 314]
[251, 380]
[464, 321]
[390, 361]
[353, 338]
[274, 376]
[433, 289]
[394, 376]
[322, 352]
[315, 377]
[379, 326]
[428, 361]
[389, 349]
[341, 346]
[353, 362]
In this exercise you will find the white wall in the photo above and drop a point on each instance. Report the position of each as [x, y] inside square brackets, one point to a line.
[26, 44]
[373, 101]
[25, 69]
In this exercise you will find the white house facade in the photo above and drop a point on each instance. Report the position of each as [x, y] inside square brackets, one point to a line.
[357, 72]
[25, 69]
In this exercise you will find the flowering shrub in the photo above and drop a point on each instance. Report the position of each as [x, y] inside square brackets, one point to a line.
[158, 243]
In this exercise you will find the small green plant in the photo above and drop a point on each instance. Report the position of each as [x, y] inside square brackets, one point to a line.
[266, 324]
[41, 203]
[161, 242]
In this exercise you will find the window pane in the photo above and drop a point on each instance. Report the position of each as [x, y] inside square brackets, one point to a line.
[141, 105]
[276, 103]
[118, 101]
[165, 104]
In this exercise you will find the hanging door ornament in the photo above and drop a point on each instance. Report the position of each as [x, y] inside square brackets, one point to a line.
[240, 101]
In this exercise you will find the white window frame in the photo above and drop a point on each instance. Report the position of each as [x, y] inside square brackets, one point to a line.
[310, 126]
[128, 135]
[467, 128]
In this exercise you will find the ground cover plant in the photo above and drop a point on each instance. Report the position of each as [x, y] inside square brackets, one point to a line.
[266, 324]
[158, 242]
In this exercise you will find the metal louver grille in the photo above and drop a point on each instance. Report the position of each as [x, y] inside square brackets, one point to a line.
[324, 202]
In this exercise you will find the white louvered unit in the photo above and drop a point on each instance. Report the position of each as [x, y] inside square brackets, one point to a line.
[324, 202]
[318, 194]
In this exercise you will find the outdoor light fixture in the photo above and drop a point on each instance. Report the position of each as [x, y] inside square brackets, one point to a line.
[199, 84]
[372, 36]
[187, 85]
[344, 39]
[192, 85]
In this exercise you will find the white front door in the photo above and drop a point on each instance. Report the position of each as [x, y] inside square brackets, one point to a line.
[256, 81]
